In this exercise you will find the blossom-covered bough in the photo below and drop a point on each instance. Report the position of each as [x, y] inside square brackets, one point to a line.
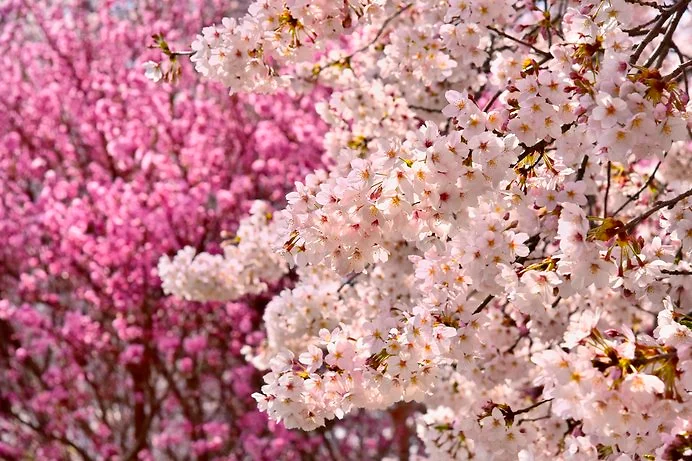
[504, 235]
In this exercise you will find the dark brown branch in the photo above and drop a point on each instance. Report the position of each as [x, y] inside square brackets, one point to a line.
[582, 168]
[664, 46]
[607, 191]
[425, 109]
[645, 3]
[40, 430]
[675, 272]
[648, 182]
[655, 31]
[543, 53]
[678, 72]
[379, 33]
[668, 203]
[529, 408]
[182, 53]
[492, 100]
[482, 305]
[348, 281]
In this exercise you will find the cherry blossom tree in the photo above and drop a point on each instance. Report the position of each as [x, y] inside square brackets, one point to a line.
[503, 237]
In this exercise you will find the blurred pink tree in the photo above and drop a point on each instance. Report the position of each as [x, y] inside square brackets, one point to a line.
[102, 172]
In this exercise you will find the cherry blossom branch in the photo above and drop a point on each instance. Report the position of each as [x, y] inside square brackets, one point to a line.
[678, 72]
[607, 191]
[482, 305]
[379, 33]
[582, 168]
[383, 27]
[642, 28]
[492, 100]
[676, 272]
[648, 182]
[416, 67]
[529, 408]
[543, 53]
[182, 53]
[645, 3]
[425, 109]
[40, 430]
[655, 31]
[348, 281]
[531, 243]
[329, 443]
[664, 46]
[514, 345]
[400, 415]
[668, 203]
[540, 146]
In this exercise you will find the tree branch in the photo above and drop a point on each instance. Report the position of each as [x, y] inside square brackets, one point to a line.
[668, 203]
[543, 53]
[648, 182]
[607, 191]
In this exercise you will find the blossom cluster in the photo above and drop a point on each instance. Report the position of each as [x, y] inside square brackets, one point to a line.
[250, 54]
[503, 238]
[210, 277]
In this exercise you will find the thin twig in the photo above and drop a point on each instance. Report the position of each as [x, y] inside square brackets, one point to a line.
[653, 33]
[543, 53]
[582, 168]
[648, 182]
[182, 53]
[515, 344]
[607, 191]
[642, 28]
[668, 203]
[529, 420]
[540, 146]
[482, 305]
[532, 242]
[677, 72]
[348, 281]
[425, 109]
[664, 46]
[644, 3]
[683, 57]
[372, 42]
[527, 409]
[492, 100]
[675, 272]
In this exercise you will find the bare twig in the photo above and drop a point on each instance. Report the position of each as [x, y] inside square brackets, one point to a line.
[668, 203]
[607, 191]
[425, 109]
[675, 272]
[182, 53]
[482, 305]
[543, 53]
[645, 3]
[655, 30]
[379, 33]
[348, 281]
[678, 72]
[582, 168]
[529, 408]
[648, 182]
[492, 100]
[664, 46]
